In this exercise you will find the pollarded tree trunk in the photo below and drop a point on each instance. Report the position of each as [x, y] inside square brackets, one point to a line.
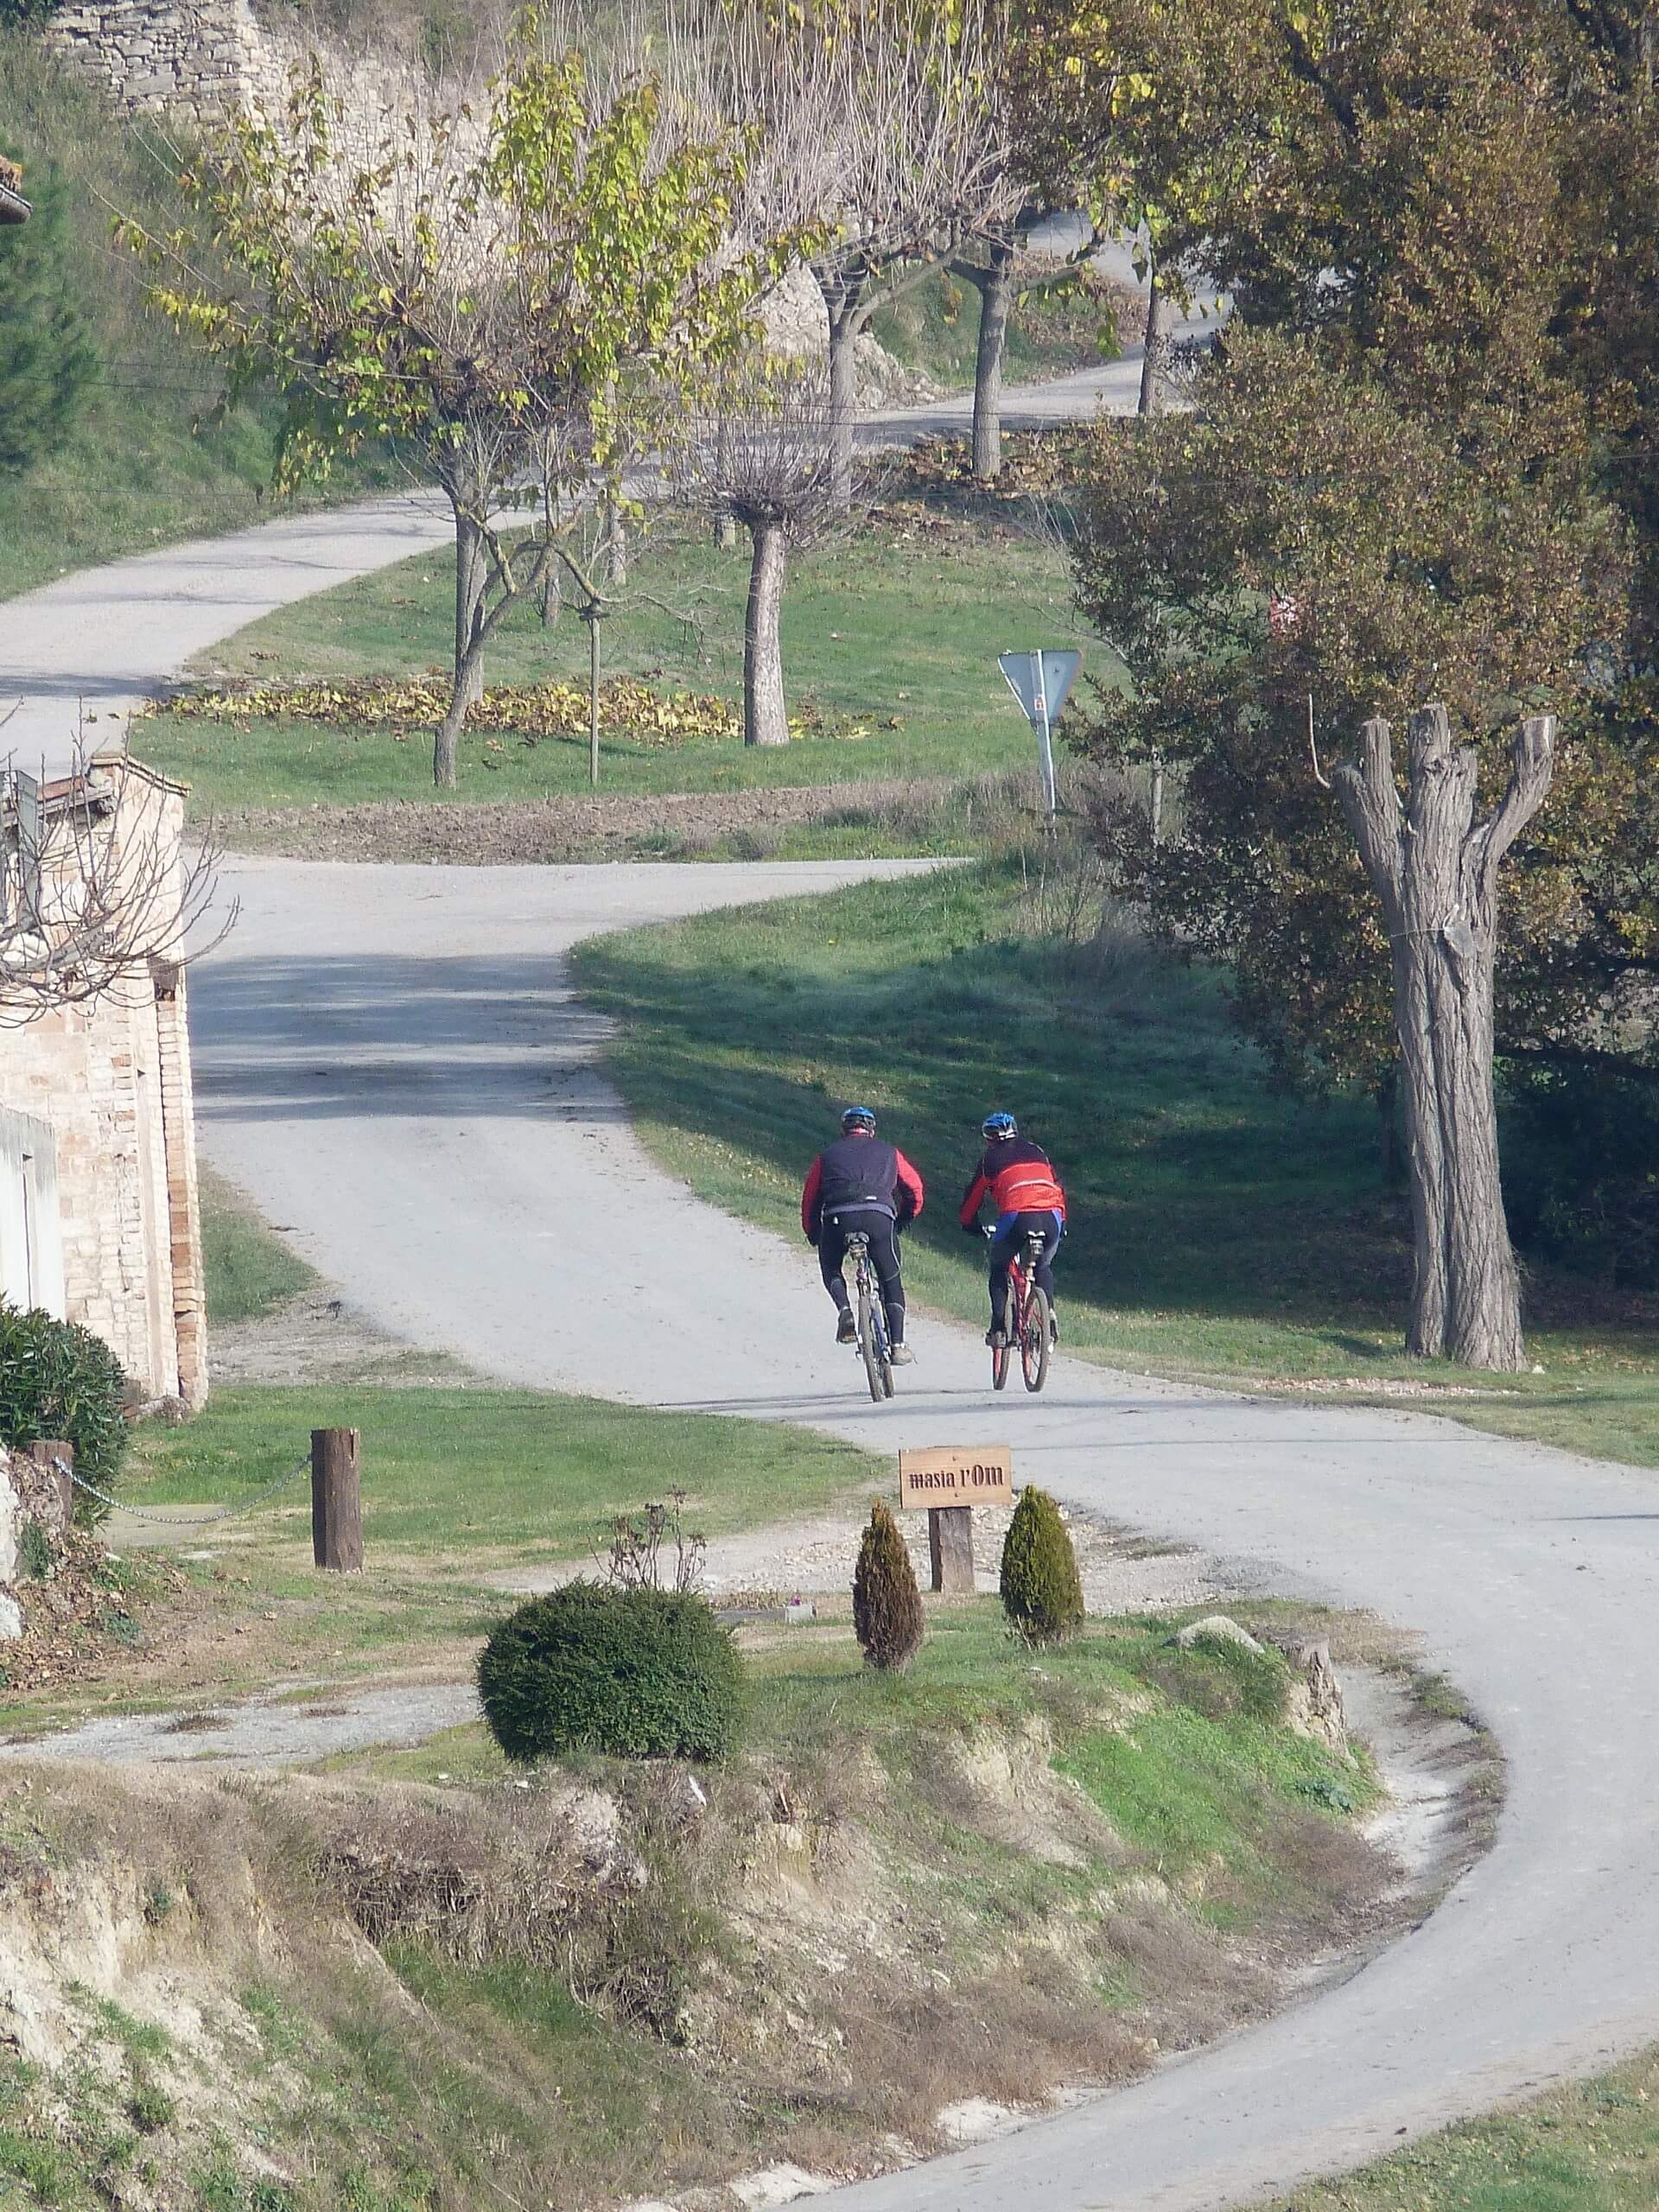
[765, 716]
[843, 305]
[1435, 868]
[995, 291]
[1159, 347]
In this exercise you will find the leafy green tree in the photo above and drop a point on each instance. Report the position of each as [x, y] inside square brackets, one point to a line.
[516, 297]
[1420, 470]
[46, 356]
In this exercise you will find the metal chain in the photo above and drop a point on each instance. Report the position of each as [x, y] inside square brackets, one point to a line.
[184, 1520]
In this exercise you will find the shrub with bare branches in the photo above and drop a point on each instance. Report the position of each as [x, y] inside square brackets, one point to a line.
[95, 884]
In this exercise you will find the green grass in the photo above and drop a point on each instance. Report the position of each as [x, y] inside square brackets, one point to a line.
[507, 1473]
[1590, 2146]
[891, 638]
[249, 1271]
[1219, 1225]
[144, 463]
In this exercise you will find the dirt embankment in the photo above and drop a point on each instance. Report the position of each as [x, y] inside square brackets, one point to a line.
[832, 1956]
[684, 825]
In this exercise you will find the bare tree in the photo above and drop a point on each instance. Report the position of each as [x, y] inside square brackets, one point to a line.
[771, 459]
[886, 136]
[95, 884]
[1435, 868]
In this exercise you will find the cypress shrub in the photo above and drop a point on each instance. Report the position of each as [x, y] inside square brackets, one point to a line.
[1042, 1594]
[887, 1604]
[58, 1379]
[639, 1674]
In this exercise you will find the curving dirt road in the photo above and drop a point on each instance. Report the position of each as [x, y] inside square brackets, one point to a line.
[391, 1060]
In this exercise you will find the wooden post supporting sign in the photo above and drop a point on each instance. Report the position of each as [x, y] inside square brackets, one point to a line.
[949, 1481]
[336, 1515]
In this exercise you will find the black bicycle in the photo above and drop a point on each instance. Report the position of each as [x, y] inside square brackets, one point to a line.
[874, 1346]
[1027, 1308]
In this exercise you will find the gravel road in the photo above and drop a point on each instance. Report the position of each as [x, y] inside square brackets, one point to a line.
[391, 1060]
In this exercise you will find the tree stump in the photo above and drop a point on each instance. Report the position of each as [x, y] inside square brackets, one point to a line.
[44, 1451]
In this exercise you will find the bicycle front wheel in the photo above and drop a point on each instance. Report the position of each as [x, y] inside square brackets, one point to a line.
[1033, 1339]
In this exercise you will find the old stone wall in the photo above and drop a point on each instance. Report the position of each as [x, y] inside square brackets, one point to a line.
[110, 1078]
[204, 58]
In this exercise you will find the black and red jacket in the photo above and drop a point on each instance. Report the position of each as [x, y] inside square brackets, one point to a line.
[1016, 1177]
[859, 1173]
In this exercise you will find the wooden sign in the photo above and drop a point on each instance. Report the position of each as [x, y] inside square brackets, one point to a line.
[955, 1474]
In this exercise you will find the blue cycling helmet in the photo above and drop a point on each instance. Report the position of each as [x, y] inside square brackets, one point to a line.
[996, 1126]
[857, 1117]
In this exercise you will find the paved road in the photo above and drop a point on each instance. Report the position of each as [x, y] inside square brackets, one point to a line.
[390, 1060]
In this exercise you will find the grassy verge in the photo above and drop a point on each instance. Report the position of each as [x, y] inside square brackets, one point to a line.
[890, 641]
[459, 1486]
[1219, 1227]
[1589, 2146]
[441, 1987]
[249, 1271]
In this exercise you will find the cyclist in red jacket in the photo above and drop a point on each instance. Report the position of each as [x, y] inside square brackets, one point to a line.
[1021, 1183]
[862, 1184]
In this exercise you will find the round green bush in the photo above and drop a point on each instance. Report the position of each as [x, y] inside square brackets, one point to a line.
[640, 1674]
[58, 1379]
[887, 1604]
[1042, 1592]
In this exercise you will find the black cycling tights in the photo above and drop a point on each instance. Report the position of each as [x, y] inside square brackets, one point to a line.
[1010, 1244]
[882, 1232]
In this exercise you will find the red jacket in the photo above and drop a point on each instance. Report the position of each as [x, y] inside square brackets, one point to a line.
[857, 1173]
[1017, 1177]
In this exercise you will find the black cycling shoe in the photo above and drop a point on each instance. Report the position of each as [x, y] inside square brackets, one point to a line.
[846, 1330]
[997, 1339]
[1054, 1326]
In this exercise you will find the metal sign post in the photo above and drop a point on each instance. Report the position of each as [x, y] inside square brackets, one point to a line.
[1042, 683]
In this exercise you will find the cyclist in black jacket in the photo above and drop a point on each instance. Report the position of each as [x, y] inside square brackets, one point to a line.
[862, 1184]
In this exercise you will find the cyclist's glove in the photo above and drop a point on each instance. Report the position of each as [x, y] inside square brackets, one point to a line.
[971, 1228]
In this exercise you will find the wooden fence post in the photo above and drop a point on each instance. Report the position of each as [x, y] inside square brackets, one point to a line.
[950, 1548]
[43, 1451]
[336, 1517]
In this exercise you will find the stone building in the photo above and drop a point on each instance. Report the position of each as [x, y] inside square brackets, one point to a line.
[100, 1217]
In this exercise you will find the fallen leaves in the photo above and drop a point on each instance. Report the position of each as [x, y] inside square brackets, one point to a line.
[530, 712]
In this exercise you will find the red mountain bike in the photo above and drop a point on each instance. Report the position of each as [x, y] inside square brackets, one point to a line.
[1029, 1317]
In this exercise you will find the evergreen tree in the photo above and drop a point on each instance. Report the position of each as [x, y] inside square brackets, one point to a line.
[47, 358]
[1042, 1591]
[887, 1603]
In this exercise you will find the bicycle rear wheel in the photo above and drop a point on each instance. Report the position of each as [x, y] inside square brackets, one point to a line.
[869, 1344]
[1033, 1339]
